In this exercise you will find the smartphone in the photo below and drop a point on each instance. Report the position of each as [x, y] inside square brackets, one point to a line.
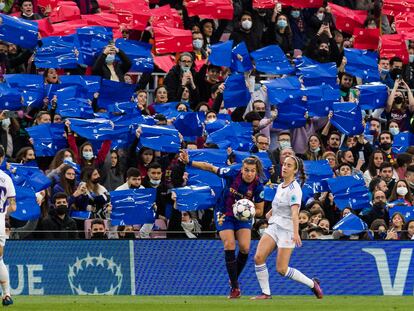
[10, 114]
[361, 155]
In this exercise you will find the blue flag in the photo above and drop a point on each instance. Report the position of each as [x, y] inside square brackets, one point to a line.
[92, 129]
[160, 138]
[320, 99]
[30, 86]
[347, 118]
[217, 157]
[216, 125]
[133, 207]
[282, 90]
[112, 92]
[26, 205]
[271, 59]
[92, 41]
[232, 135]
[70, 104]
[139, 54]
[47, 138]
[198, 177]
[87, 85]
[401, 207]
[362, 64]
[19, 31]
[193, 198]
[402, 141]
[291, 114]
[236, 93]
[317, 172]
[350, 224]
[241, 61]
[190, 124]
[58, 52]
[30, 176]
[80, 215]
[318, 74]
[372, 96]
[221, 54]
[10, 98]
[349, 191]
[270, 192]
[74, 165]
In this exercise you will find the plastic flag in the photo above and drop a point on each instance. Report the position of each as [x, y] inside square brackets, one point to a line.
[271, 59]
[232, 135]
[92, 41]
[139, 53]
[10, 98]
[362, 64]
[26, 205]
[190, 124]
[160, 138]
[236, 93]
[241, 61]
[217, 157]
[112, 92]
[47, 138]
[58, 52]
[351, 224]
[221, 54]
[349, 191]
[19, 31]
[373, 95]
[347, 118]
[30, 176]
[192, 198]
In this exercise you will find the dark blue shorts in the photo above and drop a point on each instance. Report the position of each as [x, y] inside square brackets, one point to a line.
[231, 223]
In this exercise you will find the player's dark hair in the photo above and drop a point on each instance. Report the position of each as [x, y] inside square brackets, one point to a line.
[259, 165]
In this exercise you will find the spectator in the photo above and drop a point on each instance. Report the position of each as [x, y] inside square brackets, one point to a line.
[378, 210]
[408, 233]
[133, 180]
[399, 108]
[106, 67]
[279, 33]
[98, 230]
[113, 171]
[401, 192]
[315, 149]
[245, 34]
[374, 164]
[396, 227]
[98, 196]
[161, 97]
[26, 7]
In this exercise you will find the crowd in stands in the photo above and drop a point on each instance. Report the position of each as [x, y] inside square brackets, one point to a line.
[82, 171]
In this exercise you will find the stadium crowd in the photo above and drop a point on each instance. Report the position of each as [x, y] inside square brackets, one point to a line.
[82, 169]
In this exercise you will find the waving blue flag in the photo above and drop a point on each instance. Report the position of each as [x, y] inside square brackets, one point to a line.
[291, 114]
[58, 52]
[263, 156]
[217, 157]
[18, 31]
[221, 54]
[236, 93]
[362, 64]
[70, 103]
[95, 129]
[320, 99]
[193, 198]
[401, 207]
[83, 215]
[159, 138]
[316, 174]
[198, 177]
[270, 192]
[241, 61]
[26, 205]
[133, 206]
[87, 85]
[112, 92]
[190, 124]
[47, 138]
[271, 59]
[349, 191]
[10, 98]
[92, 40]
[282, 90]
[373, 95]
[232, 135]
[351, 224]
[347, 118]
[30, 86]
[402, 141]
[139, 53]
[216, 125]
[318, 74]
[29, 176]
[74, 165]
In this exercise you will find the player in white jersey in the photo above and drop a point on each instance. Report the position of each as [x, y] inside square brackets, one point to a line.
[7, 205]
[283, 232]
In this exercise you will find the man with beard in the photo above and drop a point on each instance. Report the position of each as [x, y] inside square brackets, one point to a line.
[133, 180]
[58, 224]
[333, 142]
[385, 144]
[386, 173]
[378, 209]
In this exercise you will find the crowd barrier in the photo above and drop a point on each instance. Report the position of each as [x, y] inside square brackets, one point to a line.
[196, 267]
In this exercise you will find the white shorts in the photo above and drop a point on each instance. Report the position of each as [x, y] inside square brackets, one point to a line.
[282, 237]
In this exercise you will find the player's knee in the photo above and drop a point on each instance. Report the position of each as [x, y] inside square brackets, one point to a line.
[259, 259]
[244, 250]
[281, 270]
[229, 245]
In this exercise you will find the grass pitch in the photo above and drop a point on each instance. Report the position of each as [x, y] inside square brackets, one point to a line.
[210, 303]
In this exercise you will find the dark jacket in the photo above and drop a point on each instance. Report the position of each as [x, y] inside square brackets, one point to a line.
[121, 68]
[173, 84]
[284, 40]
[53, 222]
[250, 38]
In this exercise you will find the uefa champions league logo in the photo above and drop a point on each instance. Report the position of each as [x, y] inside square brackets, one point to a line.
[104, 273]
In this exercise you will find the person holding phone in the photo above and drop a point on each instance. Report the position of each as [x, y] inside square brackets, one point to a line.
[400, 105]
[108, 67]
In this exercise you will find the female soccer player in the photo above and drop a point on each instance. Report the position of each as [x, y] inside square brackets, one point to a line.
[241, 183]
[283, 232]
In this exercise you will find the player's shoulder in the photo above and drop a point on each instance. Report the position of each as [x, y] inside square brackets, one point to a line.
[294, 185]
[4, 177]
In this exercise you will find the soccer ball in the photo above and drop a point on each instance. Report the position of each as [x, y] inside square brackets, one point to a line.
[244, 210]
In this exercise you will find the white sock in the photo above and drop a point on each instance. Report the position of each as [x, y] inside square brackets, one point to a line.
[4, 278]
[263, 278]
[298, 276]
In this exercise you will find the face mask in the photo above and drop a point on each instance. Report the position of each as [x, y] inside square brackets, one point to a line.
[284, 144]
[70, 159]
[394, 130]
[87, 155]
[281, 23]
[303, 226]
[110, 58]
[379, 205]
[398, 100]
[323, 52]
[385, 146]
[396, 72]
[129, 236]
[262, 114]
[384, 71]
[382, 235]
[316, 150]
[411, 184]
[373, 132]
[198, 43]
[211, 120]
[155, 182]
[320, 16]
[246, 24]
[2, 5]
[98, 236]
[295, 14]
[5, 123]
[402, 191]
[185, 69]
[411, 58]
[189, 226]
[61, 209]
[263, 151]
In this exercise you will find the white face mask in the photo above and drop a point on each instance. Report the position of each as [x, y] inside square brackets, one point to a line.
[262, 150]
[246, 25]
[394, 130]
[88, 155]
[211, 120]
[320, 16]
[69, 159]
[2, 5]
[402, 191]
[5, 123]
[155, 182]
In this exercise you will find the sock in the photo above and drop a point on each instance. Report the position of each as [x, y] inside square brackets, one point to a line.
[231, 265]
[241, 262]
[298, 276]
[263, 278]
[4, 278]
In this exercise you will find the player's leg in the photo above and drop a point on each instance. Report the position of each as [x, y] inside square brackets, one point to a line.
[266, 246]
[282, 267]
[229, 243]
[4, 280]
[243, 236]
